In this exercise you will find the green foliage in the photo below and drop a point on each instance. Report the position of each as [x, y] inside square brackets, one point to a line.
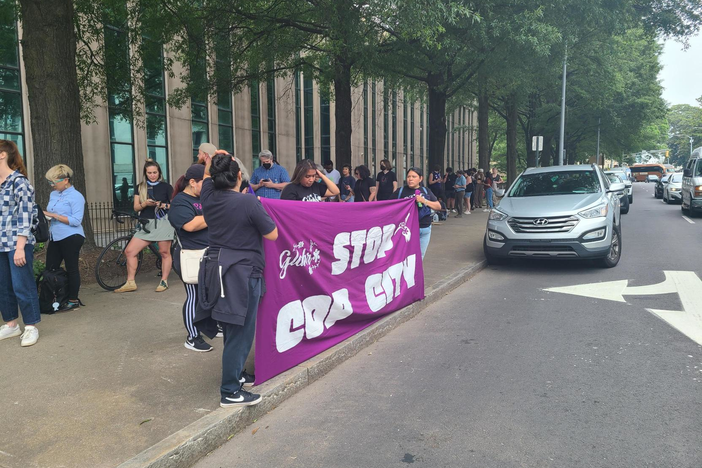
[685, 123]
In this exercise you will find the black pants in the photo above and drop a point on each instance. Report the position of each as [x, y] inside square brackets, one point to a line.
[459, 202]
[66, 250]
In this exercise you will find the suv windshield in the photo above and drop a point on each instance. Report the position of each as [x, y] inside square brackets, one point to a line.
[556, 183]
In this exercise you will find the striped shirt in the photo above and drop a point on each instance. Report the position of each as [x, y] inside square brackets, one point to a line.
[18, 211]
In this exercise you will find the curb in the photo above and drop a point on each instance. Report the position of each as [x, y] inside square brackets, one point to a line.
[185, 447]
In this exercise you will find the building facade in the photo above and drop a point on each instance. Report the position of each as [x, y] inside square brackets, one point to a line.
[288, 116]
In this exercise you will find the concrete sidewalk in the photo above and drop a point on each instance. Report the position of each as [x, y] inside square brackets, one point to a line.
[112, 384]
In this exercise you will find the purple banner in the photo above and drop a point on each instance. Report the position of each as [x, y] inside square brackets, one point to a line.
[335, 269]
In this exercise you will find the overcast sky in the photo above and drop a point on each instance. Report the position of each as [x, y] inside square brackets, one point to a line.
[682, 72]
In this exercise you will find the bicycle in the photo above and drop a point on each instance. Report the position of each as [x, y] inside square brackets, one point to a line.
[111, 265]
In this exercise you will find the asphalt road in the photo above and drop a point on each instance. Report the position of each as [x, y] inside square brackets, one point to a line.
[502, 373]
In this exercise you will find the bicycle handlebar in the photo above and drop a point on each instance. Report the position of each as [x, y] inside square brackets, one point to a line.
[143, 221]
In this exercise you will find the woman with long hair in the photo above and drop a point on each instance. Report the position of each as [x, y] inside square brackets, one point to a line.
[309, 184]
[231, 275]
[425, 202]
[364, 190]
[18, 213]
[152, 201]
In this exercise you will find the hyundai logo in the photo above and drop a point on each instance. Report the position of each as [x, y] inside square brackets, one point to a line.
[541, 222]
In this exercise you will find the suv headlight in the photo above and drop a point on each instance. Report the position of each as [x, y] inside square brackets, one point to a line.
[596, 212]
[497, 215]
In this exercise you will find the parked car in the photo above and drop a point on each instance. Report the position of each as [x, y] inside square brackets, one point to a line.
[652, 178]
[627, 182]
[616, 178]
[692, 183]
[558, 212]
[626, 170]
[672, 192]
[660, 185]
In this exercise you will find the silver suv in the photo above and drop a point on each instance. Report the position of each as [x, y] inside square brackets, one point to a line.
[558, 213]
[692, 184]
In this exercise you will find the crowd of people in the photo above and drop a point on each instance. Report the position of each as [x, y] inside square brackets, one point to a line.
[186, 220]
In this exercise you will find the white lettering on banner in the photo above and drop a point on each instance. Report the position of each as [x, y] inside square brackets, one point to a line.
[301, 256]
[383, 288]
[309, 318]
[377, 243]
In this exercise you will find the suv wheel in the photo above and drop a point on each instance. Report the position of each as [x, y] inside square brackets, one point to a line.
[686, 211]
[491, 259]
[615, 250]
[624, 207]
[631, 198]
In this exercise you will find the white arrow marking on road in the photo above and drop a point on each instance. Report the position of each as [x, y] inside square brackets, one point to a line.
[686, 283]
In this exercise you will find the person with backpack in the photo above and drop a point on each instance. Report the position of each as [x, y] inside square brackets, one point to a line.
[18, 214]
[425, 201]
[65, 213]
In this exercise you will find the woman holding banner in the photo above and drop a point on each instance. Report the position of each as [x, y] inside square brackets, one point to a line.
[231, 273]
[426, 201]
[305, 187]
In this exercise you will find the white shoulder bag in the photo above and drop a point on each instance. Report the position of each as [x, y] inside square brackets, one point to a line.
[189, 263]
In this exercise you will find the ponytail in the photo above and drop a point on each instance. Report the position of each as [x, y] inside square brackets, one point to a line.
[179, 186]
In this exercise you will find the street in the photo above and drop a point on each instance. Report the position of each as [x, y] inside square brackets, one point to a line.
[502, 373]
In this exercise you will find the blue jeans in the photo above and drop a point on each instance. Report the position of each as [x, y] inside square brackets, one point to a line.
[424, 238]
[17, 286]
[238, 340]
[488, 197]
[347, 198]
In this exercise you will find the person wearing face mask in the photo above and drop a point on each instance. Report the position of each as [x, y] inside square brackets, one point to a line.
[269, 179]
[386, 181]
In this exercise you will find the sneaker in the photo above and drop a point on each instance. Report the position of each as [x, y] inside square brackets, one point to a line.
[9, 332]
[247, 380]
[162, 286]
[70, 305]
[240, 398]
[129, 286]
[220, 332]
[486, 210]
[30, 336]
[466, 212]
[198, 344]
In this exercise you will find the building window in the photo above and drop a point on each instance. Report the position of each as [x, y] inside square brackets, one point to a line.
[374, 126]
[365, 123]
[200, 117]
[421, 135]
[453, 147]
[309, 117]
[270, 94]
[325, 125]
[255, 123]
[11, 115]
[225, 121]
[412, 135]
[155, 103]
[119, 108]
[386, 124]
[298, 118]
[394, 129]
[405, 155]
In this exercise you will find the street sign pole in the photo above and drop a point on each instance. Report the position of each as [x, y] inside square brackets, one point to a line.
[561, 143]
[537, 144]
[598, 143]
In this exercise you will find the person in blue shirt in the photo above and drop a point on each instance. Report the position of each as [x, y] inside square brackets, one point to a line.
[460, 188]
[65, 214]
[269, 179]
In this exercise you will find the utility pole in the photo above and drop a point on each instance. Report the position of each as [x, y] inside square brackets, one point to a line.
[561, 144]
[599, 121]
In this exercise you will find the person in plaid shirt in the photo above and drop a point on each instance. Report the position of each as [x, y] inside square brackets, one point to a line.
[18, 213]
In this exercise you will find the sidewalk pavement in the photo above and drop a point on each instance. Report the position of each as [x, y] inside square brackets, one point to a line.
[112, 383]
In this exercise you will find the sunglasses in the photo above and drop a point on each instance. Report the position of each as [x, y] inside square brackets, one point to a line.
[54, 182]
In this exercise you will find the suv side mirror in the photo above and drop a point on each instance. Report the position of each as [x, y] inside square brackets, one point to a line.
[687, 173]
[617, 187]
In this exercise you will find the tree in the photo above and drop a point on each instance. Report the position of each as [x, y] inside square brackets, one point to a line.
[685, 123]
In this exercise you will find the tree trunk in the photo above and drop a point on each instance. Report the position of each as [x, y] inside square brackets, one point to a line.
[342, 111]
[546, 157]
[512, 123]
[49, 52]
[437, 123]
[483, 131]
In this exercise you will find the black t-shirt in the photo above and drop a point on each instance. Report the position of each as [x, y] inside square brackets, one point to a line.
[348, 180]
[236, 221]
[160, 192]
[362, 190]
[385, 187]
[406, 192]
[184, 208]
[450, 182]
[313, 193]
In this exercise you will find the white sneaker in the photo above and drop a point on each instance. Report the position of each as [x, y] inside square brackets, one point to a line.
[486, 210]
[466, 212]
[9, 332]
[30, 336]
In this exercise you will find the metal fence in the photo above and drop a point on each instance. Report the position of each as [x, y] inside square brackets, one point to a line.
[105, 227]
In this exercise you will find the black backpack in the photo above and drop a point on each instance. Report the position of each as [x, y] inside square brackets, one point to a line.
[443, 212]
[53, 290]
[41, 230]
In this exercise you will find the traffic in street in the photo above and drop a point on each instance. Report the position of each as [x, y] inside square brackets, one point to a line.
[533, 363]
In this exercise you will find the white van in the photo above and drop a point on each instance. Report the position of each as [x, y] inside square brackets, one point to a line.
[692, 183]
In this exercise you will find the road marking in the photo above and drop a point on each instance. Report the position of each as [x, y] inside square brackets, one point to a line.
[688, 219]
[685, 283]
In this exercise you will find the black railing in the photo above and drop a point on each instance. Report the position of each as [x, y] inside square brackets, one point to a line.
[105, 227]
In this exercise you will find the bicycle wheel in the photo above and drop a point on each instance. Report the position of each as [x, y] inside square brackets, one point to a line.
[111, 266]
